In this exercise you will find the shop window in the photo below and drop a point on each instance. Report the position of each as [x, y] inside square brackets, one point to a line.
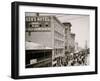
[40, 25]
[30, 25]
[46, 25]
[65, 47]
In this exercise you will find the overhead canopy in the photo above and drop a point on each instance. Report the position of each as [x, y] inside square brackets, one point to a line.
[35, 46]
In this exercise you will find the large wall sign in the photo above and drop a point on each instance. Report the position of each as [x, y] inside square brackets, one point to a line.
[38, 23]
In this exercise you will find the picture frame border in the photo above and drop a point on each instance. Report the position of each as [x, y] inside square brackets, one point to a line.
[15, 39]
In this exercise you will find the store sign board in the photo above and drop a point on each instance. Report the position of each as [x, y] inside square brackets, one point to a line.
[38, 23]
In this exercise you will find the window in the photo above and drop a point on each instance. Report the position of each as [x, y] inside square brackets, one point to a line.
[40, 25]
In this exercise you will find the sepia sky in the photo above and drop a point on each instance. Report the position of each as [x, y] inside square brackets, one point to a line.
[80, 26]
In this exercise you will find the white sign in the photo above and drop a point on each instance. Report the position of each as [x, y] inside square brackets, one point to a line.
[32, 61]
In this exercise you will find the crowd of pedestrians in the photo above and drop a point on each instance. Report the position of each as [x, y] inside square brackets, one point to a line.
[74, 59]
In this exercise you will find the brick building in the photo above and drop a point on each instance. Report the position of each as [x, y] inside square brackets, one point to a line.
[47, 31]
[69, 38]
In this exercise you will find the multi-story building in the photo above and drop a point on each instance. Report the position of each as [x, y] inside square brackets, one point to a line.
[72, 42]
[58, 41]
[69, 38]
[47, 31]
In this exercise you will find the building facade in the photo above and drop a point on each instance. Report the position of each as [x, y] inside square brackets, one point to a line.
[58, 32]
[72, 42]
[48, 32]
[69, 38]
